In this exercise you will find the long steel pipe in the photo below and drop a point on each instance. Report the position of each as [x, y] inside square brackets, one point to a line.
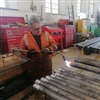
[88, 42]
[93, 44]
[49, 92]
[88, 61]
[74, 86]
[79, 83]
[44, 82]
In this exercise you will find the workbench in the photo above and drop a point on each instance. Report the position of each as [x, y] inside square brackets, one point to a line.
[15, 79]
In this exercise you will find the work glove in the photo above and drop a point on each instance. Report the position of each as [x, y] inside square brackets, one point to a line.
[46, 50]
[31, 53]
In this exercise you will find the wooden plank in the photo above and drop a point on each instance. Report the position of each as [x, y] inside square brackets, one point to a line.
[22, 94]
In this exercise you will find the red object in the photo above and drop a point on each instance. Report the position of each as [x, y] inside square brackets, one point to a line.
[5, 19]
[68, 35]
[55, 32]
[25, 30]
[63, 22]
[11, 38]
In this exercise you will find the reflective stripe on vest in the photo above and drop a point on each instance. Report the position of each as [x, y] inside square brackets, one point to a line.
[26, 41]
[46, 35]
[47, 38]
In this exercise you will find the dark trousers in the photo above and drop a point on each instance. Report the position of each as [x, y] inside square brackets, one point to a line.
[40, 68]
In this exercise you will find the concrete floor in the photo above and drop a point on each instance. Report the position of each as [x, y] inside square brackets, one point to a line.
[71, 54]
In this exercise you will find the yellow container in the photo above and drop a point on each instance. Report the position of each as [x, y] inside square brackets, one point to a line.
[82, 26]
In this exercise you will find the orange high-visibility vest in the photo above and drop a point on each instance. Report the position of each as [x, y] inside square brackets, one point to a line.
[28, 42]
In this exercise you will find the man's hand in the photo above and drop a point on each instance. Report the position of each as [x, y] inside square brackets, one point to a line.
[46, 50]
[31, 53]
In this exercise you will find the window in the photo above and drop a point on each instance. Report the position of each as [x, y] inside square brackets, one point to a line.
[9, 4]
[2, 3]
[78, 7]
[51, 6]
[91, 7]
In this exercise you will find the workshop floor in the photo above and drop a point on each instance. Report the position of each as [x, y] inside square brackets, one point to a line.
[70, 54]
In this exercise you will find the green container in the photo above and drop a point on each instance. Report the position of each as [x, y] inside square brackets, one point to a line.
[97, 32]
[93, 27]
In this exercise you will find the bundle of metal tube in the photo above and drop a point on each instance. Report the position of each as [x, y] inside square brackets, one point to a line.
[88, 43]
[88, 61]
[95, 46]
[68, 85]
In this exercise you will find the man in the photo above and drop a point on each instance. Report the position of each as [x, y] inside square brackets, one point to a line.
[39, 46]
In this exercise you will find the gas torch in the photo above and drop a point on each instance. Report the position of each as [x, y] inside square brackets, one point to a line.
[68, 63]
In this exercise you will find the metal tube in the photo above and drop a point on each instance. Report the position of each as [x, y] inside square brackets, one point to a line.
[62, 85]
[53, 88]
[71, 85]
[77, 82]
[80, 83]
[75, 87]
[88, 61]
[61, 88]
[74, 78]
[79, 76]
[87, 67]
[93, 44]
[88, 42]
[48, 92]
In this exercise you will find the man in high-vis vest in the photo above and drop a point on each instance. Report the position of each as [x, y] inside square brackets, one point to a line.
[39, 46]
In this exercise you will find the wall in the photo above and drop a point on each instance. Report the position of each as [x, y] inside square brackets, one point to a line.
[96, 7]
[85, 8]
[24, 8]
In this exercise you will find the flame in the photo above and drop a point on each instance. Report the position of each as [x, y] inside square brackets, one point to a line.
[68, 63]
